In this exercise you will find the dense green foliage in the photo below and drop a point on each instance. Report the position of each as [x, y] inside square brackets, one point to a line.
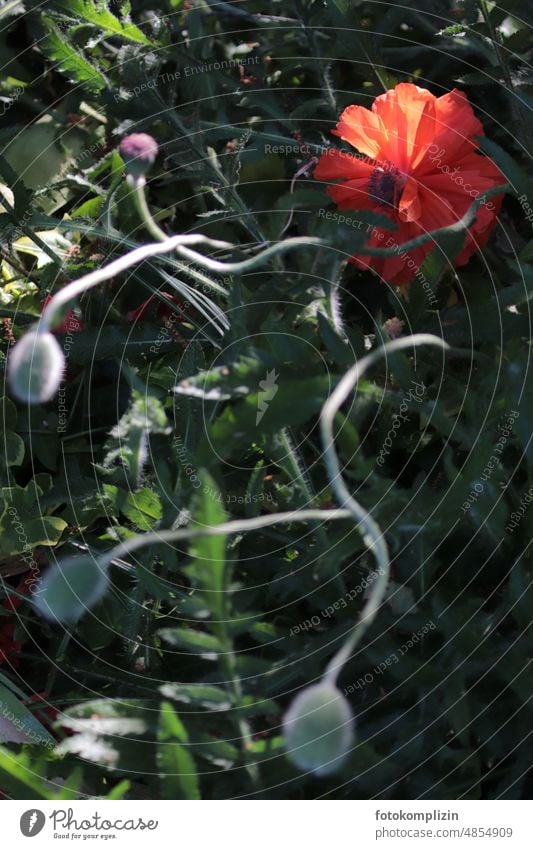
[205, 408]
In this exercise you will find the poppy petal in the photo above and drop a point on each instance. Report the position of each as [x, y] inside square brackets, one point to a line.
[455, 127]
[362, 129]
[407, 112]
[409, 207]
[467, 179]
[352, 194]
[338, 165]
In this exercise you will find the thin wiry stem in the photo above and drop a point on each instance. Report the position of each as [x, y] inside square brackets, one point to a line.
[177, 243]
[372, 535]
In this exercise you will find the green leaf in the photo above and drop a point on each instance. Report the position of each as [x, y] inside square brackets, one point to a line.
[22, 525]
[127, 447]
[208, 571]
[295, 402]
[69, 60]
[120, 790]
[18, 724]
[89, 209]
[179, 779]
[143, 508]
[96, 13]
[454, 29]
[197, 642]
[516, 176]
[20, 777]
[199, 695]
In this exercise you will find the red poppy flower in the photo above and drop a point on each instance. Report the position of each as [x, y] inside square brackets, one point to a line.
[162, 311]
[420, 167]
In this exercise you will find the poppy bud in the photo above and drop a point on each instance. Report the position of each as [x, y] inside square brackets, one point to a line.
[35, 367]
[70, 589]
[318, 729]
[139, 151]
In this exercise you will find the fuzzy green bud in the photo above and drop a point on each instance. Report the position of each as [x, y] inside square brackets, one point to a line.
[35, 367]
[319, 729]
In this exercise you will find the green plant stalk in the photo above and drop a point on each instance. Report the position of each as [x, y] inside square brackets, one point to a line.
[60, 656]
[138, 185]
[318, 60]
[229, 664]
[372, 535]
[243, 727]
[299, 477]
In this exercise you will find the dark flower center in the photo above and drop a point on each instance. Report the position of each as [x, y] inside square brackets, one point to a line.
[386, 185]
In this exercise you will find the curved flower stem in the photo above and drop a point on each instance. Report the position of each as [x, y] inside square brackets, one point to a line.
[138, 185]
[350, 509]
[129, 546]
[248, 264]
[171, 243]
[372, 535]
[237, 526]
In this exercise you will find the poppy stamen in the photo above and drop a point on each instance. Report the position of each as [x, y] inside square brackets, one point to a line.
[386, 185]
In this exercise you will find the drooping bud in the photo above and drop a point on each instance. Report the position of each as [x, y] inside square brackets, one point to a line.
[319, 729]
[35, 367]
[70, 589]
[139, 151]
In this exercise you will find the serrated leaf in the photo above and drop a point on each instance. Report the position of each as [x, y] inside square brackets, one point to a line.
[69, 60]
[96, 13]
[127, 448]
[21, 510]
[143, 508]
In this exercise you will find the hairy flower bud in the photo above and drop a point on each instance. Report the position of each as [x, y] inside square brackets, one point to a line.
[35, 367]
[319, 729]
[71, 588]
[139, 151]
